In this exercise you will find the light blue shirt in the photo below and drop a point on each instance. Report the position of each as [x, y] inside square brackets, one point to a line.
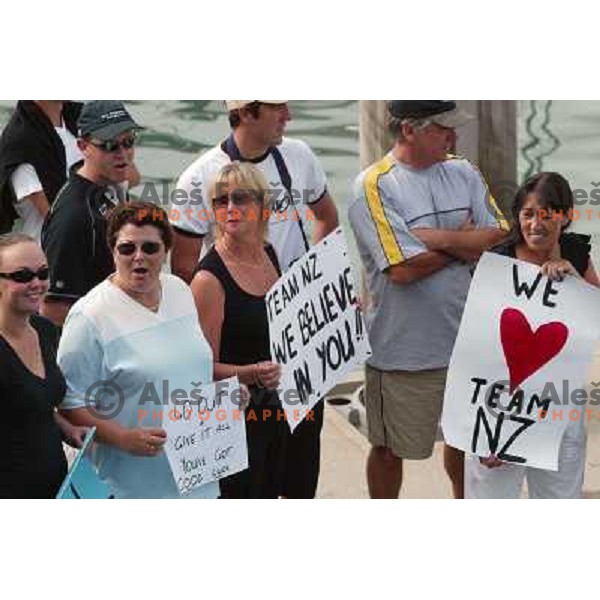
[115, 351]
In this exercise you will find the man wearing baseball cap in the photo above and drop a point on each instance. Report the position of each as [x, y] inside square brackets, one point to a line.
[74, 233]
[421, 217]
[299, 199]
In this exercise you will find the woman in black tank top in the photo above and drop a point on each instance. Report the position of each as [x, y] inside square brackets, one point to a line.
[229, 287]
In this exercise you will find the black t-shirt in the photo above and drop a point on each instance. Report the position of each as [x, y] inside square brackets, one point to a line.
[74, 238]
[32, 461]
[574, 247]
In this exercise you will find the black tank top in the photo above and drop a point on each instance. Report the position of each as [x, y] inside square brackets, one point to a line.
[574, 247]
[245, 330]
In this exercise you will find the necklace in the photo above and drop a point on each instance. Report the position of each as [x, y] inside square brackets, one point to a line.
[260, 277]
[152, 307]
[258, 263]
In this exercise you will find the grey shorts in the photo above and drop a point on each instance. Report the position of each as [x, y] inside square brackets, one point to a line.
[404, 409]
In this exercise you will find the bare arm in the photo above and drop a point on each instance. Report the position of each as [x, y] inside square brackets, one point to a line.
[184, 255]
[39, 200]
[137, 440]
[56, 310]
[418, 267]
[210, 304]
[460, 244]
[326, 217]
[72, 434]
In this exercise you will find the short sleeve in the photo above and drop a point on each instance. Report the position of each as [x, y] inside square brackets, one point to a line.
[70, 257]
[25, 181]
[189, 204]
[80, 358]
[379, 229]
[484, 209]
[576, 248]
[315, 175]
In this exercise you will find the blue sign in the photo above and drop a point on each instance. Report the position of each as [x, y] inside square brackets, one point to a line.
[83, 482]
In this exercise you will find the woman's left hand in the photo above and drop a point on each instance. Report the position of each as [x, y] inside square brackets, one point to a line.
[75, 435]
[557, 269]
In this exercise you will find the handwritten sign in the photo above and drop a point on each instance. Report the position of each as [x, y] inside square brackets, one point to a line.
[206, 436]
[316, 327]
[83, 482]
[516, 374]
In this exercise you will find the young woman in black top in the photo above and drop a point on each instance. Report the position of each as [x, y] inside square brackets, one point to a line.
[229, 288]
[32, 462]
[541, 213]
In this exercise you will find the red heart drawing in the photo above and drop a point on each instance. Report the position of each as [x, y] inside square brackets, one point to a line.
[527, 351]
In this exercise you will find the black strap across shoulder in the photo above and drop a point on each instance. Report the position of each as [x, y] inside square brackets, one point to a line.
[230, 148]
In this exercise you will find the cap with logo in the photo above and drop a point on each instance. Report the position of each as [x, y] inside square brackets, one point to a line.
[105, 119]
[442, 112]
[237, 104]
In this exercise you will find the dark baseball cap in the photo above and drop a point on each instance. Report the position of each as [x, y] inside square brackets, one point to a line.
[105, 119]
[442, 112]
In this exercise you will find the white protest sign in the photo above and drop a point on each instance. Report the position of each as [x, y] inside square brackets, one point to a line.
[515, 379]
[206, 436]
[316, 328]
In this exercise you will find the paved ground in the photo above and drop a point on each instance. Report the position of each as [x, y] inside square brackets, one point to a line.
[345, 449]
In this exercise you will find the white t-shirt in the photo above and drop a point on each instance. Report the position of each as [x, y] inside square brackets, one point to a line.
[25, 181]
[191, 205]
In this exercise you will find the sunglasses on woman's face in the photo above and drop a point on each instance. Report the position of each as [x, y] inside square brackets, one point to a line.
[27, 275]
[237, 198]
[114, 145]
[128, 248]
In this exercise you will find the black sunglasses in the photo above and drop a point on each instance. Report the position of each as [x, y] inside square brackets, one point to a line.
[128, 248]
[237, 198]
[27, 275]
[114, 145]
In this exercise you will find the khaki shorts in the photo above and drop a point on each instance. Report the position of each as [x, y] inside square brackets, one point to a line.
[404, 409]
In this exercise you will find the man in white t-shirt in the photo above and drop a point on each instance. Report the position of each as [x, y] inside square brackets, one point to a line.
[299, 200]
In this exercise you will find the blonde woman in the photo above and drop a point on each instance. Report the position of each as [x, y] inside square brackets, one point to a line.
[229, 289]
[32, 461]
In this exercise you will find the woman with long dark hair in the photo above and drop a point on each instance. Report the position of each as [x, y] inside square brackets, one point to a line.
[542, 212]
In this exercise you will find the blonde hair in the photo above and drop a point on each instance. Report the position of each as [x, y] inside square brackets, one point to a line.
[246, 177]
[12, 239]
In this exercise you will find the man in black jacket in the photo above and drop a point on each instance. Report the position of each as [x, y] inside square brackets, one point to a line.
[74, 233]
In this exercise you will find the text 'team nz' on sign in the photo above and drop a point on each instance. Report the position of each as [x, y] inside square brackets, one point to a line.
[522, 341]
[316, 327]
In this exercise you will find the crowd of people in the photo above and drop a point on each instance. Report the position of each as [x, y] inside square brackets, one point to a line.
[84, 296]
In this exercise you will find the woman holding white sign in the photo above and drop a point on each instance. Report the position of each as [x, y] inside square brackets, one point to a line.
[128, 339]
[542, 212]
[229, 288]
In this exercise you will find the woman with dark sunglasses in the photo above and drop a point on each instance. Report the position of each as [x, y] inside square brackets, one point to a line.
[122, 343]
[32, 461]
[229, 288]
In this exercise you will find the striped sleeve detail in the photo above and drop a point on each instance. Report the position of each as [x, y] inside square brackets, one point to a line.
[388, 240]
[500, 218]
[490, 200]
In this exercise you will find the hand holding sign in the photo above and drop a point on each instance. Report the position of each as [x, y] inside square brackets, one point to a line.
[316, 328]
[522, 338]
